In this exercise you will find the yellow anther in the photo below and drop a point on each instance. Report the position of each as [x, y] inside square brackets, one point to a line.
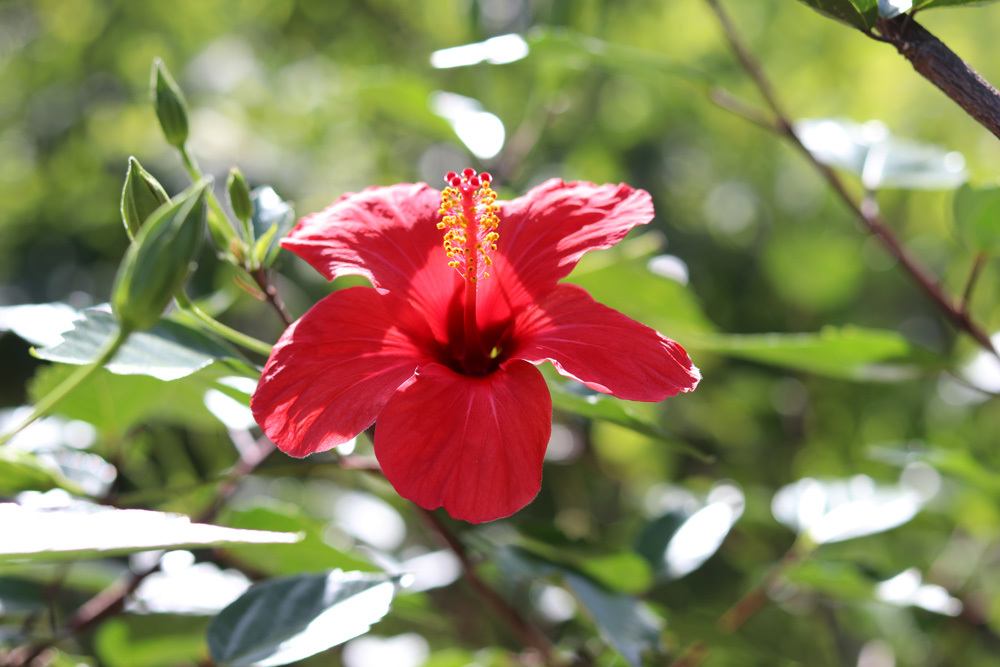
[469, 220]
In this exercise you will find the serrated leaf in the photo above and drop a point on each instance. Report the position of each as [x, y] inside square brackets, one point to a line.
[977, 216]
[281, 621]
[86, 531]
[169, 351]
[851, 353]
[861, 14]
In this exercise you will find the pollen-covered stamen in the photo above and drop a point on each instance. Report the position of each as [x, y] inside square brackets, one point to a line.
[469, 220]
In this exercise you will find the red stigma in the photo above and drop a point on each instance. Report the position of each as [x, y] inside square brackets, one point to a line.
[468, 172]
[449, 177]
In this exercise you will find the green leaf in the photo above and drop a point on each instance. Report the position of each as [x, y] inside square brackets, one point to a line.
[861, 14]
[86, 531]
[160, 640]
[169, 351]
[21, 471]
[114, 403]
[623, 622]
[272, 218]
[620, 278]
[836, 580]
[615, 411]
[977, 216]
[880, 159]
[930, 4]
[40, 324]
[285, 620]
[310, 554]
[621, 571]
[851, 353]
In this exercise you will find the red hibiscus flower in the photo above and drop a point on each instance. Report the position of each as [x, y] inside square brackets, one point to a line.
[441, 354]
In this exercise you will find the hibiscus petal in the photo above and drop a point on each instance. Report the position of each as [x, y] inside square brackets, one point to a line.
[385, 234]
[332, 371]
[602, 348]
[473, 445]
[544, 233]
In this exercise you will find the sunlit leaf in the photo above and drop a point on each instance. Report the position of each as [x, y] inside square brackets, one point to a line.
[281, 621]
[310, 554]
[880, 159]
[861, 14]
[169, 351]
[92, 531]
[847, 352]
[38, 323]
[827, 511]
[114, 403]
[22, 471]
[272, 218]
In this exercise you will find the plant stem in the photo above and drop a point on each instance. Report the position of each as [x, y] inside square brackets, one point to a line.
[215, 326]
[526, 632]
[52, 399]
[933, 60]
[970, 284]
[263, 281]
[871, 219]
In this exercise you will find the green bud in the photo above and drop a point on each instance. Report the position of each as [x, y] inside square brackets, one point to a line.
[159, 261]
[168, 100]
[239, 195]
[141, 195]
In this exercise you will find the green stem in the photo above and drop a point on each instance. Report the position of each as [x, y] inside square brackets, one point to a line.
[215, 326]
[52, 399]
[217, 218]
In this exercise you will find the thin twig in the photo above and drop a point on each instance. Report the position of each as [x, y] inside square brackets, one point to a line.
[263, 281]
[527, 632]
[942, 67]
[970, 284]
[868, 216]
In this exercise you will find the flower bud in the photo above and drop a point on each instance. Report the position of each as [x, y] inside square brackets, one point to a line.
[159, 261]
[171, 109]
[141, 195]
[239, 196]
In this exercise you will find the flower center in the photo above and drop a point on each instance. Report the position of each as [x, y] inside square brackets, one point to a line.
[469, 220]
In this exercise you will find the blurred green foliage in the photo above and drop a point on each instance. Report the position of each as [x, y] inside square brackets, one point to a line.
[320, 98]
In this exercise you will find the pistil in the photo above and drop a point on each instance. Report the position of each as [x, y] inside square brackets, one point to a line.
[468, 210]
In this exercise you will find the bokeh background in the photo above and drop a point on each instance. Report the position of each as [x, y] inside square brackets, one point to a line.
[320, 98]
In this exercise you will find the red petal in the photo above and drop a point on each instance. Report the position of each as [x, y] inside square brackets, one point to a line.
[473, 445]
[332, 371]
[602, 348]
[385, 234]
[545, 233]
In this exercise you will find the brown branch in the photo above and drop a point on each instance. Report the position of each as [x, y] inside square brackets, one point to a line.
[526, 632]
[263, 281]
[942, 67]
[867, 215]
[970, 284]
